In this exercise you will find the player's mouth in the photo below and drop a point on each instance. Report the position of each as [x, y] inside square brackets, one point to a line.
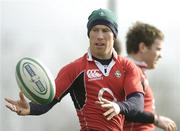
[99, 44]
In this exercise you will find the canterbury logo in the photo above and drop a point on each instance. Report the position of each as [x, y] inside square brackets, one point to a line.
[93, 74]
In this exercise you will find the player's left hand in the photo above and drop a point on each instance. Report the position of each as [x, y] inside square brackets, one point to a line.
[165, 123]
[113, 108]
[21, 106]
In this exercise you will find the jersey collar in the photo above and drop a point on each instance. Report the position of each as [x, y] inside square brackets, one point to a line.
[105, 69]
[89, 55]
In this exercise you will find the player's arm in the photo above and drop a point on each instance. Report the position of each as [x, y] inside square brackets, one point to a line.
[66, 75]
[133, 104]
[142, 117]
[22, 107]
[37, 109]
[148, 117]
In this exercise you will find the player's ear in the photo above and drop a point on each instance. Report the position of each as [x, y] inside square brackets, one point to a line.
[142, 47]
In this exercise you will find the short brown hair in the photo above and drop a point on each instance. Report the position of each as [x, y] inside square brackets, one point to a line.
[141, 32]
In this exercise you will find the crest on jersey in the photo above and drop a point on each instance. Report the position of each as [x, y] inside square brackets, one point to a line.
[118, 74]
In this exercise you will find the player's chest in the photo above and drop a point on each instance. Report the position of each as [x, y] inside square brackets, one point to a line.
[104, 77]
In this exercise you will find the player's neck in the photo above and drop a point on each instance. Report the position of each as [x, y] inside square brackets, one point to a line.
[103, 61]
[136, 57]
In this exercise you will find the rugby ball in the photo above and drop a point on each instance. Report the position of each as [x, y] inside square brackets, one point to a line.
[35, 80]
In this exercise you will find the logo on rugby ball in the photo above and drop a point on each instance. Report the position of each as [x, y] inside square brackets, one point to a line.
[35, 78]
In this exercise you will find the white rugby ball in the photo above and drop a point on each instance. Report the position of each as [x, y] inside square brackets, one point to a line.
[35, 81]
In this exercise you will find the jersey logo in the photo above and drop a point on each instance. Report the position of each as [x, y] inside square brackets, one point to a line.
[94, 74]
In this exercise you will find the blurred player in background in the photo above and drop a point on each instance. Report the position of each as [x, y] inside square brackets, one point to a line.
[103, 86]
[144, 43]
[117, 46]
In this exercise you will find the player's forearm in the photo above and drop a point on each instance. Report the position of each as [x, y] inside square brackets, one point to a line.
[37, 109]
[142, 117]
[133, 109]
[133, 104]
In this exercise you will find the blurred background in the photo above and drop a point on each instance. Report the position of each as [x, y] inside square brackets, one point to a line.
[54, 31]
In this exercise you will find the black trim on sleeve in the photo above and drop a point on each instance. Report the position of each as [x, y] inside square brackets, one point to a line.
[37, 109]
[133, 108]
[142, 117]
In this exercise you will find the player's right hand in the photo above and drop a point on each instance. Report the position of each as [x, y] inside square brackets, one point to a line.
[165, 123]
[21, 106]
[112, 108]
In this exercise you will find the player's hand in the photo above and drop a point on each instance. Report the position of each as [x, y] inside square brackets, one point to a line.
[21, 106]
[113, 108]
[165, 123]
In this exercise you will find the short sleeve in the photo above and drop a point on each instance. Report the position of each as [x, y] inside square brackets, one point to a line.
[132, 82]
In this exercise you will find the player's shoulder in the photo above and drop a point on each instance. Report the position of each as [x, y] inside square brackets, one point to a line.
[127, 64]
[125, 61]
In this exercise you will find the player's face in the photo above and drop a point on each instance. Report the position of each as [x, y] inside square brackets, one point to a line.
[101, 41]
[153, 54]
